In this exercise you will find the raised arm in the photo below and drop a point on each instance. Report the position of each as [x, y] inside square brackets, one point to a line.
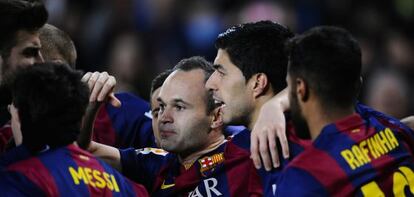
[101, 86]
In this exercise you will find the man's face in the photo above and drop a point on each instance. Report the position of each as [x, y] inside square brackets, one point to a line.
[231, 90]
[183, 121]
[26, 52]
[299, 122]
[155, 108]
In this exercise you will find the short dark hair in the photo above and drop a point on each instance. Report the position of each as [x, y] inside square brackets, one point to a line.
[329, 60]
[18, 15]
[159, 80]
[51, 100]
[55, 41]
[197, 62]
[258, 48]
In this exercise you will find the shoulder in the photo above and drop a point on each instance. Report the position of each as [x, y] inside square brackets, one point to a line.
[16, 184]
[298, 182]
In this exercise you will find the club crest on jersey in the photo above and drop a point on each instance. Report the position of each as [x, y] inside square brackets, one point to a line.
[208, 163]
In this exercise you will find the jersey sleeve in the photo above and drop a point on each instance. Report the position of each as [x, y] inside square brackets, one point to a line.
[143, 165]
[127, 126]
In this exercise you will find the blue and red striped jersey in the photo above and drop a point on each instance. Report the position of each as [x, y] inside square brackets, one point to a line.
[65, 171]
[227, 171]
[127, 126]
[360, 155]
[14, 155]
[5, 136]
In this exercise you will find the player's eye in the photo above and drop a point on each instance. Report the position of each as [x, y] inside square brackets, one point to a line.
[154, 112]
[162, 108]
[31, 52]
[179, 107]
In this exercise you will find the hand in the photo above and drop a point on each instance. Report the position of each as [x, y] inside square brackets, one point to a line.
[270, 127]
[409, 121]
[102, 87]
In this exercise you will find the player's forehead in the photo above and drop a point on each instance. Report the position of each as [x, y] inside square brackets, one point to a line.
[187, 86]
[222, 58]
[223, 64]
[26, 38]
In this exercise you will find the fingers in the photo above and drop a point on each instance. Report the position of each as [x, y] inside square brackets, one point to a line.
[101, 86]
[273, 149]
[106, 86]
[96, 83]
[254, 148]
[86, 77]
[284, 143]
[114, 101]
[264, 152]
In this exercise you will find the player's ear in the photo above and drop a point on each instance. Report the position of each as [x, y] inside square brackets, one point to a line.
[217, 118]
[302, 89]
[260, 84]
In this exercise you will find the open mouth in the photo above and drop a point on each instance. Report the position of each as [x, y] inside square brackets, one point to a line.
[218, 102]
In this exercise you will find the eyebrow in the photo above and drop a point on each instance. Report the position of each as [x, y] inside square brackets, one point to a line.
[181, 101]
[175, 101]
[218, 66]
[159, 99]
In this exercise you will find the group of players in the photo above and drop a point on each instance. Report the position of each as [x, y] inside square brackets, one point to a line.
[294, 99]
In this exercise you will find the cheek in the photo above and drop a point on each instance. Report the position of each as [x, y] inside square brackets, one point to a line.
[155, 125]
[17, 61]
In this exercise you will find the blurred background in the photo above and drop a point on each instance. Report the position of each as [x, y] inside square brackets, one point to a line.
[137, 39]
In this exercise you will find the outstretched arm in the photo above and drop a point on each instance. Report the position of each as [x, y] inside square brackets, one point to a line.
[270, 126]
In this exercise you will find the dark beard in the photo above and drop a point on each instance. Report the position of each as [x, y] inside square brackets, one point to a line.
[299, 122]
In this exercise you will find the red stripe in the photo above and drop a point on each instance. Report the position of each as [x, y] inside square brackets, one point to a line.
[35, 171]
[238, 163]
[5, 136]
[138, 189]
[92, 163]
[352, 121]
[326, 170]
[104, 131]
[385, 167]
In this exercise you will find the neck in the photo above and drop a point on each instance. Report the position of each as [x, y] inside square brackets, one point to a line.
[188, 160]
[256, 110]
[320, 117]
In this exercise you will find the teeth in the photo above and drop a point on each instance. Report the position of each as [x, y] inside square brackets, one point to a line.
[219, 103]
